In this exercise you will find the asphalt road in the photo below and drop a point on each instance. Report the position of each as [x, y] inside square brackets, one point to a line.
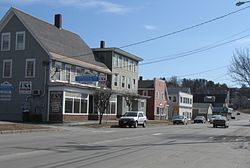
[173, 146]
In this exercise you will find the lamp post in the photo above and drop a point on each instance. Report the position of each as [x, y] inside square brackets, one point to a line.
[241, 3]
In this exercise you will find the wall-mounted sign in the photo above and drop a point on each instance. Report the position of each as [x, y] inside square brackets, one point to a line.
[6, 89]
[56, 98]
[25, 87]
[87, 78]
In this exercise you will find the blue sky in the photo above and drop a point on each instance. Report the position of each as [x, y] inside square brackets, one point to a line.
[120, 23]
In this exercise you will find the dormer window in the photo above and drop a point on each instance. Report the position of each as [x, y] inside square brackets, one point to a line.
[20, 40]
[5, 42]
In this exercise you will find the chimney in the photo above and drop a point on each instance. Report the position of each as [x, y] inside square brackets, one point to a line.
[102, 44]
[140, 78]
[58, 21]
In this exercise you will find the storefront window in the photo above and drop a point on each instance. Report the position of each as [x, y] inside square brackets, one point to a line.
[84, 104]
[113, 107]
[76, 105]
[68, 105]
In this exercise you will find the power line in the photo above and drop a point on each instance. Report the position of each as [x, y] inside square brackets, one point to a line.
[176, 56]
[197, 73]
[201, 48]
[224, 75]
[184, 29]
[175, 32]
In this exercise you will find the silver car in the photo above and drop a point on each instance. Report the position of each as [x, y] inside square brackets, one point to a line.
[179, 119]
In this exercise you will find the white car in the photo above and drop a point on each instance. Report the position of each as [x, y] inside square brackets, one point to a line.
[133, 118]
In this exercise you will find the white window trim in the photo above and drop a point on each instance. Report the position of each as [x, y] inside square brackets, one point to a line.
[67, 66]
[8, 49]
[59, 64]
[70, 97]
[4, 61]
[17, 33]
[34, 67]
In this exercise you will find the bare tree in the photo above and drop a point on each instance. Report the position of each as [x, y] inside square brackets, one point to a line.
[240, 67]
[101, 99]
[130, 98]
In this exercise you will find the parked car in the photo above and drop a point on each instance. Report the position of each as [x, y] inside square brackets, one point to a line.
[200, 119]
[213, 117]
[133, 118]
[220, 121]
[179, 119]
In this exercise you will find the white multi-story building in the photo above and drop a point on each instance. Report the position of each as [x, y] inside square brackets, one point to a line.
[181, 102]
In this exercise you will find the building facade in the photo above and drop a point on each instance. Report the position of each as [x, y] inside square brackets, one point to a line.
[40, 65]
[202, 109]
[157, 103]
[124, 78]
[218, 99]
[181, 102]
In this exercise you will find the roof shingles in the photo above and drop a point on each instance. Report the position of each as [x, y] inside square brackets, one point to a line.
[59, 41]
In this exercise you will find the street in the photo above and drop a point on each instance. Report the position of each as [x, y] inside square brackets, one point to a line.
[172, 146]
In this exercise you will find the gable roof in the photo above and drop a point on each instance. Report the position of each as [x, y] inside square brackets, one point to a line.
[119, 51]
[202, 105]
[146, 84]
[219, 98]
[175, 90]
[58, 41]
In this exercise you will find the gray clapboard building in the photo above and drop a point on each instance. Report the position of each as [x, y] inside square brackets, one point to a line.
[124, 78]
[39, 64]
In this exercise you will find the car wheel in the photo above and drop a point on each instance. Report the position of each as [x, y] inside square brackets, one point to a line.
[136, 124]
[144, 124]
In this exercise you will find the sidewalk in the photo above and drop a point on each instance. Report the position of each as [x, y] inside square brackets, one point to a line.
[19, 127]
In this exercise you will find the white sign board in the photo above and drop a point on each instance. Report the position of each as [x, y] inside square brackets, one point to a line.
[25, 87]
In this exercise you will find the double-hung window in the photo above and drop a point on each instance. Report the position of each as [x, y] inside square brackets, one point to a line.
[115, 78]
[68, 73]
[20, 40]
[58, 71]
[7, 68]
[5, 42]
[30, 68]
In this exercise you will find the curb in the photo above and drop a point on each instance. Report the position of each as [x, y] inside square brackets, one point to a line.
[28, 131]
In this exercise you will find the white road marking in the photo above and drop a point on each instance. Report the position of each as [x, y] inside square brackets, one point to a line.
[157, 134]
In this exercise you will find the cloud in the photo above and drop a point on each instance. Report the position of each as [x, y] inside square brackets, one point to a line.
[150, 27]
[101, 5]
[243, 41]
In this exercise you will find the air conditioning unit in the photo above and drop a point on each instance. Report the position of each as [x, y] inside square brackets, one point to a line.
[36, 92]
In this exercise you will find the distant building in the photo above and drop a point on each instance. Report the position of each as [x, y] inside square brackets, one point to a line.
[202, 109]
[157, 104]
[219, 101]
[181, 102]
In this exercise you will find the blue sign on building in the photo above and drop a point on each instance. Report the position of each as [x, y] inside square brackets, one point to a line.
[87, 78]
[6, 87]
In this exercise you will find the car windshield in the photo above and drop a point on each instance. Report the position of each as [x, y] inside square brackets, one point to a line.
[130, 114]
[178, 117]
[216, 116]
[199, 117]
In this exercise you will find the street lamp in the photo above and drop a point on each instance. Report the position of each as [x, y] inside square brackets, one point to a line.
[241, 3]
